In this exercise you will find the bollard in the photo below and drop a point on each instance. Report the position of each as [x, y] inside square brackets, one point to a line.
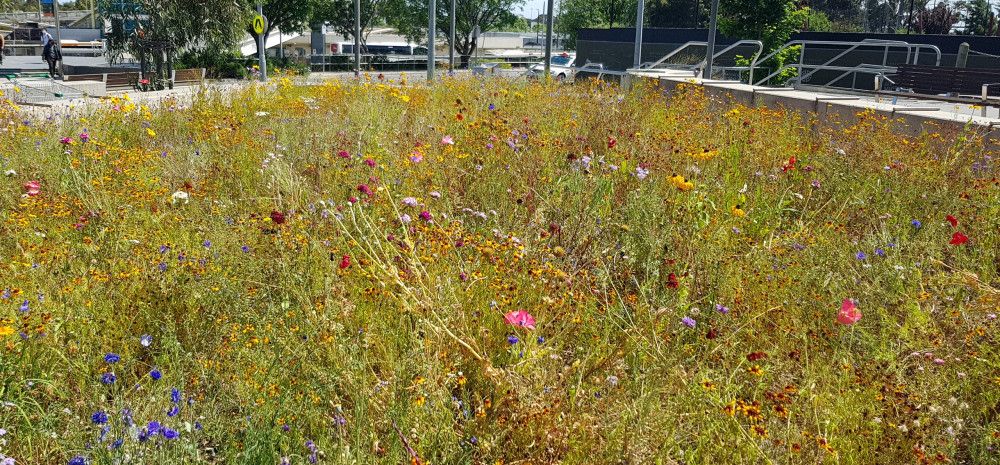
[963, 55]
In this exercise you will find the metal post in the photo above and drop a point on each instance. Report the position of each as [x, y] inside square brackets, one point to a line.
[451, 42]
[431, 32]
[713, 26]
[40, 12]
[909, 19]
[357, 38]
[93, 15]
[260, 40]
[55, 14]
[548, 39]
[638, 33]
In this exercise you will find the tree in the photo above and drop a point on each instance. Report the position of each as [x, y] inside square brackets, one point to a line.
[284, 15]
[577, 14]
[410, 18]
[676, 13]
[183, 24]
[339, 14]
[979, 18]
[937, 20]
[766, 20]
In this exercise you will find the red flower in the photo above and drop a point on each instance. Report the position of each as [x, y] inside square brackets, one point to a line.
[952, 220]
[612, 142]
[958, 238]
[345, 262]
[754, 356]
[277, 217]
[672, 281]
[789, 166]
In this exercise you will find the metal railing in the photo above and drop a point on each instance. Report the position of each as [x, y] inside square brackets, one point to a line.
[697, 67]
[912, 52]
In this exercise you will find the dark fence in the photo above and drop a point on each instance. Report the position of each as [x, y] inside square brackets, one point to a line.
[615, 47]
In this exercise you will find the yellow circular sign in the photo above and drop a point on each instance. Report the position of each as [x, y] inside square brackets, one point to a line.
[258, 24]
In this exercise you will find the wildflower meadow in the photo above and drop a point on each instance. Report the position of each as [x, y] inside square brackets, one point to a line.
[493, 272]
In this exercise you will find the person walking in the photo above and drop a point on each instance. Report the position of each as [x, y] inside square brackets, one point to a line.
[2, 44]
[51, 52]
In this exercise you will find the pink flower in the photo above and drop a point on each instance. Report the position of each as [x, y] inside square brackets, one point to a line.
[33, 188]
[84, 137]
[520, 318]
[416, 157]
[370, 162]
[65, 141]
[364, 189]
[344, 154]
[849, 313]
[447, 140]
[426, 216]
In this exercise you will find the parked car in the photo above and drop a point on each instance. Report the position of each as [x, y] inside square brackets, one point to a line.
[561, 67]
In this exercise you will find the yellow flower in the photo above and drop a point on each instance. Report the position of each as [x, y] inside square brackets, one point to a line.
[738, 211]
[681, 183]
[150, 132]
[6, 331]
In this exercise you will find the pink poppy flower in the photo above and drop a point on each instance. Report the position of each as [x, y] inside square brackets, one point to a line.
[849, 313]
[33, 188]
[520, 318]
[447, 140]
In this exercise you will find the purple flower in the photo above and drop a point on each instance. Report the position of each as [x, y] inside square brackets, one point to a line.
[410, 201]
[175, 395]
[245, 249]
[880, 252]
[164, 248]
[99, 417]
[512, 339]
[173, 411]
[426, 216]
[641, 173]
[916, 224]
[108, 378]
[146, 340]
[689, 322]
[207, 243]
[722, 309]
[492, 107]
[78, 460]
[170, 434]
[860, 255]
[162, 266]
[112, 358]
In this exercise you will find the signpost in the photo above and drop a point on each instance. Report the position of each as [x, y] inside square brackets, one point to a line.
[431, 31]
[259, 24]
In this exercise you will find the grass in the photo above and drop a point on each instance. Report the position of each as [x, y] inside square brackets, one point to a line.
[323, 274]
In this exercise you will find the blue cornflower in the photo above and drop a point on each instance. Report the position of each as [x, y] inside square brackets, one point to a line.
[197, 426]
[164, 248]
[916, 223]
[146, 340]
[153, 427]
[99, 417]
[78, 460]
[155, 374]
[173, 411]
[170, 434]
[722, 309]
[689, 322]
[162, 266]
[175, 395]
[108, 378]
[245, 249]
[880, 252]
[25, 306]
[207, 243]
[118, 443]
[860, 255]
[112, 357]
[493, 107]
[512, 339]
[541, 339]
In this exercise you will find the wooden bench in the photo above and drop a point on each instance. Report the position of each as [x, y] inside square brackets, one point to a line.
[936, 80]
[188, 77]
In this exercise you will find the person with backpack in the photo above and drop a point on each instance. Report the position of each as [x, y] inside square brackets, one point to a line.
[51, 52]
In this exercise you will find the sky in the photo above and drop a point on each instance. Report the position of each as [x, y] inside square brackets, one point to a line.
[532, 8]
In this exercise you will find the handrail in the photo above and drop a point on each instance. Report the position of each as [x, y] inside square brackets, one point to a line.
[701, 64]
[868, 69]
[886, 44]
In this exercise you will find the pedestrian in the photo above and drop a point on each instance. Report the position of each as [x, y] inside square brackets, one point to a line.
[2, 44]
[51, 52]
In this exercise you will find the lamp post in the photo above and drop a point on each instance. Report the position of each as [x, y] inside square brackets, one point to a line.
[357, 38]
[638, 33]
[261, 60]
[58, 47]
[431, 25]
[548, 39]
[712, 28]
[451, 42]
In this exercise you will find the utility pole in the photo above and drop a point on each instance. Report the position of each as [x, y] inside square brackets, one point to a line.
[431, 26]
[357, 38]
[260, 45]
[58, 47]
[713, 26]
[451, 42]
[548, 39]
[638, 33]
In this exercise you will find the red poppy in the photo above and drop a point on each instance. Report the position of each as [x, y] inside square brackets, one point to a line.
[672, 281]
[952, 220]
[958, 238]
[277, 217]
[612, 142]
[345, 262]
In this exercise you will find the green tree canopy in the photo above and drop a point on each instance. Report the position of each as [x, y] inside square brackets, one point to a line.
[410, 18]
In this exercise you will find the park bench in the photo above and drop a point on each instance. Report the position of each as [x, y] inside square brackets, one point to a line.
[188, 77]
[127, 80]
[951, 82]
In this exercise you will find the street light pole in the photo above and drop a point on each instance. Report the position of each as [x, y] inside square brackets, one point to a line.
[261, 60]
[357, 38]
[431, 26]
[548, 39]
[638, 33]
[451, 49]
[712, 28]
[58, 47]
